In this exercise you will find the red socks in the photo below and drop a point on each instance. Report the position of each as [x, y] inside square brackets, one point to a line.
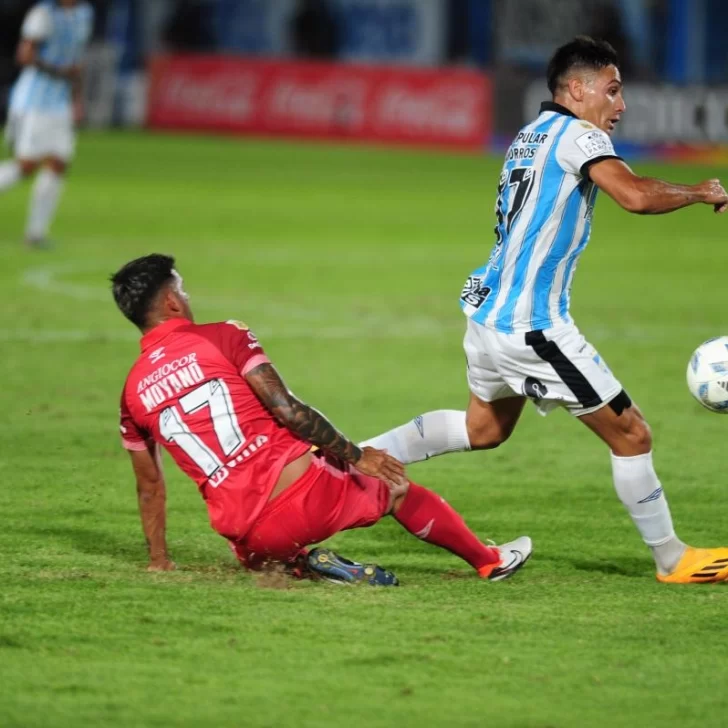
[427, 516]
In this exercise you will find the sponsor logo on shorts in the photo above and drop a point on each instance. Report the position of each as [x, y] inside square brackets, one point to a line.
[534, 388]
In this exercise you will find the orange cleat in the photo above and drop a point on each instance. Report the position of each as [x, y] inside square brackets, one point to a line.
[699, 566]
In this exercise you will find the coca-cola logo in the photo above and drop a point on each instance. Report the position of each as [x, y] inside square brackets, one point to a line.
[327, 102]
[229, 95]
[450, 110]
[319, 99]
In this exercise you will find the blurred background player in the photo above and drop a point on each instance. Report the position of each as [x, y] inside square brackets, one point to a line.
[521, 341]
[45, 103]
[211, 397]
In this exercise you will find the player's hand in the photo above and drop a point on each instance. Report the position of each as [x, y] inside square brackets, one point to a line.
[715, 194]
[379, 464]
[161, 565]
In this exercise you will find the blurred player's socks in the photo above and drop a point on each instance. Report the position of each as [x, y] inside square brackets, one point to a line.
[640, 491]
[428, 435]
[426, 515]
[43, 204]
[10, 174]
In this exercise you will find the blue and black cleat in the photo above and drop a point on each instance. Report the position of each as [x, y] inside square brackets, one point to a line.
[328, 565]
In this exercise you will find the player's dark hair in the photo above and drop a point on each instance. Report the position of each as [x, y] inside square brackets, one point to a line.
[136, 285]
[582, 53]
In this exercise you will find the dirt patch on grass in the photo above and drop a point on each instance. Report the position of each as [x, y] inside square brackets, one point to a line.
[273, 576]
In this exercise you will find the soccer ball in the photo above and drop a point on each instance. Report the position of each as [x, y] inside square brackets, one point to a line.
[708, 374]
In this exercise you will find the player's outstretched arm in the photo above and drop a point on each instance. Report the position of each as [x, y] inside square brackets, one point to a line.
[147, 466]
[649, 196]
[311, 426]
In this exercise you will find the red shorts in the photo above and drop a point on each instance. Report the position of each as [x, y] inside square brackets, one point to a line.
[329, 497]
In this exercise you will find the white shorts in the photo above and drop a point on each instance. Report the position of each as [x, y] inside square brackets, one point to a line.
[555, 367]
[35, 136]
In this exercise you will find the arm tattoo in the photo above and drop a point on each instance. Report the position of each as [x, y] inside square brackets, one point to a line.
[309, 424]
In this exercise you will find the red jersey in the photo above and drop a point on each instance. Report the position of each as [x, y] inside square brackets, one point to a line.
[187, 391]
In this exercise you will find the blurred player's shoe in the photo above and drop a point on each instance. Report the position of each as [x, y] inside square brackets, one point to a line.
[332, 567]
[514, 555]
[699, 566]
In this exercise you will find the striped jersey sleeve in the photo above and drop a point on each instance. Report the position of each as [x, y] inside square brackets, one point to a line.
[582, 145]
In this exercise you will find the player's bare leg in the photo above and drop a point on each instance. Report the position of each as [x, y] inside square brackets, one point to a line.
[484, 426]
[490, 424]
[44, 201]
[638, 487]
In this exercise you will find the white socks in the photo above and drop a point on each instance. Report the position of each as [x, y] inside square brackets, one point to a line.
[43, 203]
[428, 435]
[640, 491]
[10, 174]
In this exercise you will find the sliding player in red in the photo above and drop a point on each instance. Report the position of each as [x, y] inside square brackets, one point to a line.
[212, 398]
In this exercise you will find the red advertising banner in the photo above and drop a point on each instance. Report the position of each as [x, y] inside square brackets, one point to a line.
[450, 108]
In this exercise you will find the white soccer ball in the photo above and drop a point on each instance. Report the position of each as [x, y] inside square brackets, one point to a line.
[708, 374]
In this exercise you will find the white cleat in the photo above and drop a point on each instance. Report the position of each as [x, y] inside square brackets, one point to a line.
[514, 555]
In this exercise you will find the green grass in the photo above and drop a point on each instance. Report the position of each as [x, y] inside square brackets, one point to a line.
[348, 264]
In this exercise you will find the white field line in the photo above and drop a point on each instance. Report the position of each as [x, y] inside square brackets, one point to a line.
[65, 336]
[297, 322]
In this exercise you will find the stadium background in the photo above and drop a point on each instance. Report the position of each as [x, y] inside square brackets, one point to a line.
[674, 55]
[333, 186]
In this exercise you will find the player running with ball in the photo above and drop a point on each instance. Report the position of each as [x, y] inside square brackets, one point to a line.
[210, 396]
[521, 342]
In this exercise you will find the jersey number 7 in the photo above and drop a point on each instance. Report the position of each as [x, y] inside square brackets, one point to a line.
[518, 184]
[215, 395]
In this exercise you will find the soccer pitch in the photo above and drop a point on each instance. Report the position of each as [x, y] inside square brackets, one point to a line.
[347, 262]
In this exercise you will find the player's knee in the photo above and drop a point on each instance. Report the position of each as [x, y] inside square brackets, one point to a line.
[641, 436]
[488, 435]
[397, 495]
[58, 166]
[27, 167]
[636, 435]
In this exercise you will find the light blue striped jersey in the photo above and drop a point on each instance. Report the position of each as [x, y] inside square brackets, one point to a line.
[62, 35]
[543, 220]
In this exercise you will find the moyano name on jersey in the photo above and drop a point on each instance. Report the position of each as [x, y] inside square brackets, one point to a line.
[169, 380]
[188, 392]
[543, 214]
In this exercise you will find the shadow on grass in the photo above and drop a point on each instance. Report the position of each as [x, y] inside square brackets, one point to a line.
[634, 568]
[132, 551]
[89, 541]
